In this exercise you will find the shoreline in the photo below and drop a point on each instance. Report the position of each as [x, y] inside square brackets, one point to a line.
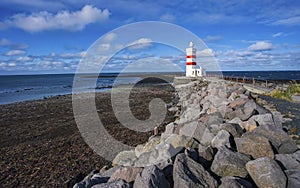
[41, 144]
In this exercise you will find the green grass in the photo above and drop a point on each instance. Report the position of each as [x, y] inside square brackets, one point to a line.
[293, 89]
[281, 95]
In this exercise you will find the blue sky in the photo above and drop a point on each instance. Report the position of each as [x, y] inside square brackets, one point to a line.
[52, 36]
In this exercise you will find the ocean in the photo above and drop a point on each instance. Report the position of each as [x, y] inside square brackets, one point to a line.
[17, 88]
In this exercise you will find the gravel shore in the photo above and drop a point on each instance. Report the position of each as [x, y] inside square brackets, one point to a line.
[40, 144]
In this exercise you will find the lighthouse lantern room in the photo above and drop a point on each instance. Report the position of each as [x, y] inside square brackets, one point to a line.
[191, 65]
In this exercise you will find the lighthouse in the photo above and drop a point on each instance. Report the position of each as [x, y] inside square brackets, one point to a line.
[191, 65]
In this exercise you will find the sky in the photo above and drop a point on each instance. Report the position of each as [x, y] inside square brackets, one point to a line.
[41, 37]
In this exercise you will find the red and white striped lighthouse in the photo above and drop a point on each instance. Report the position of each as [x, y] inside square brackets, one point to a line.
[191, 61]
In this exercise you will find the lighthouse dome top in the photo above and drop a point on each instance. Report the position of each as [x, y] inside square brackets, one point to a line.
[191, 44]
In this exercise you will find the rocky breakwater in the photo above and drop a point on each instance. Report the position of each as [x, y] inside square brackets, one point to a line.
[221, 138]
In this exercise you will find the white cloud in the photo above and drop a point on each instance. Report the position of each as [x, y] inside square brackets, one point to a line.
[103, 47]
[261, 46]
[167, 17]
[14, 52]
[292, 21]
[277, 34]
[4, 42]
[24, 58]
[212, 38]
[109, 37]
[140, 44]
[205, 52]
[65, 20]
[12, 64]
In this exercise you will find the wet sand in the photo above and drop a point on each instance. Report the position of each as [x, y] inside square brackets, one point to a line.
[41, 146]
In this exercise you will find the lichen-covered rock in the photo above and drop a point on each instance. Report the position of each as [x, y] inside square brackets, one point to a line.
[189, 173]
[235, 182]
[289, 161]
[254, 145]
[150, 145]
[221, 139]
[151, 177]
[293, 178]
[126, 173]
[278, 138]
[266, 173]
[229, 163]
[124, 158]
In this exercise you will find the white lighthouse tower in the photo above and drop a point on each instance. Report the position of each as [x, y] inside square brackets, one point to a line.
[191, 65]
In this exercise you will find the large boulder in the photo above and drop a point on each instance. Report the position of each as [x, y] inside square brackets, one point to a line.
[151, 177]
[114, 184]
[289, 161]
[221, 139]
[189, 173]
[278, 138]
[234, 129]
[124, 158]
[263, 119]
[94, 180]
[126, 173]
[229, 163]
[150, 145]
[193, 129]
[235, 182]
[293, 178]
[165, 150]
[254, 145]
[265, 172]
[238, 102]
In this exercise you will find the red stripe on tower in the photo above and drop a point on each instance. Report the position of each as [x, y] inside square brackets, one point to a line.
[191, 63]
[191, 56]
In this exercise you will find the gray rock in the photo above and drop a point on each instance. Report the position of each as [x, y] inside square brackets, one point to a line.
[215, 118]
[263, 119]
[193, 129]
[254, 145]
[266, 173]
[151, 177]
[221, 139]
[94, 180]
[229, 163]
[242, 113]
[235, 120]
[207, 137]
[279, 139]
[170, 128]
[289, 161]
[293, 178]
[235, 182]
[125, 158]
[234, 129]
[114, 184]
[164, 150]
[207, 153]
[188, 173]
[126, 173]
